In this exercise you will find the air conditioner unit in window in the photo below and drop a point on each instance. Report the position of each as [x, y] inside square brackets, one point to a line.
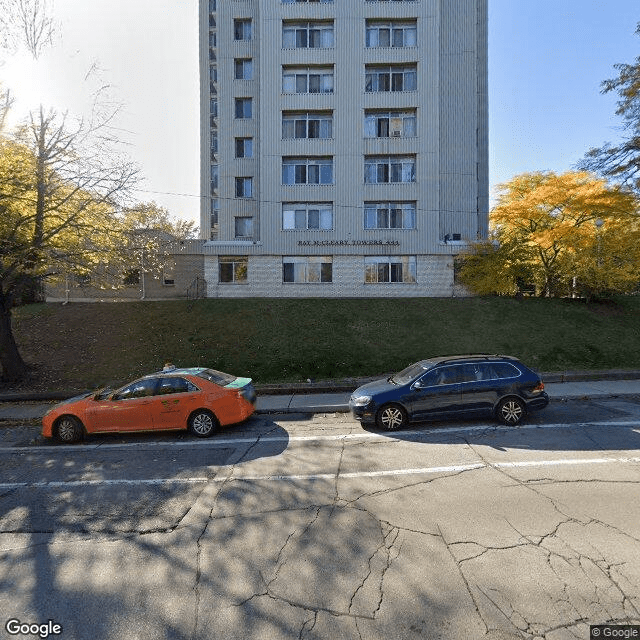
[396, 133]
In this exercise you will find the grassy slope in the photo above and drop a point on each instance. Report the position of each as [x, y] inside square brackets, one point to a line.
[283, 340]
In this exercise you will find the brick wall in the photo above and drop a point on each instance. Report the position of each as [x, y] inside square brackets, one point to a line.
[434, 279]
[183, 267]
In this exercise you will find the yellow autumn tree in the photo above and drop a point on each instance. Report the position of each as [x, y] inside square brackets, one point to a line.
[560, 233]
[59, 194]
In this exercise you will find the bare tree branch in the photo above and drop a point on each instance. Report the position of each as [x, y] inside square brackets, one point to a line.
[26, 23]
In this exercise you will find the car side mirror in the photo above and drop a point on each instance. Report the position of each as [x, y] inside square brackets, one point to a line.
[418, 384]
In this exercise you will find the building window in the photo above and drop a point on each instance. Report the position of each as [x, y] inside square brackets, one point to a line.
[383, 269]
[383, 169]
[390, 78]
[307, 35]
[307, 125]
[214, 221]
[243, 108]
[307, 269]
[296, 1]
[389, 215]
[244, 187]
[233, 268]
[393, 33]
[390, 124]
[244, 147]
[131, 277]
[307, 79]
[242, 29]
[214, 178]
[305, 216]
[168, 276]
[307, 171]
[244, 227]
[243, 69]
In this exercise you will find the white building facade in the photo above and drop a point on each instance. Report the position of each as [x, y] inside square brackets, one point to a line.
[344, 145]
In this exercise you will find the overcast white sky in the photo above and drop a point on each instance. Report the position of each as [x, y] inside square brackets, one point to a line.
[546, 61]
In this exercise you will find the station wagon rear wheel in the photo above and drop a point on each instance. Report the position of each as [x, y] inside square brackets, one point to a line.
[202, 423]
[391, 417]
[511, 411]
[68, 430]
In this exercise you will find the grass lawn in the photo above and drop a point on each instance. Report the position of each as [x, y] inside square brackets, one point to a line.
[275, 340]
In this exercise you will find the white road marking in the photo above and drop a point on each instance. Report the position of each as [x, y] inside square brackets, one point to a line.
[431, 470]
[90, 483]
[327, 476]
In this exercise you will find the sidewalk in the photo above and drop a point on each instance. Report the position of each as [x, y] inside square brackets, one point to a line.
[339, 401]
[335, 398]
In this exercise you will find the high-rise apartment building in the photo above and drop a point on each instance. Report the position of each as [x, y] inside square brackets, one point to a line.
[343, 145]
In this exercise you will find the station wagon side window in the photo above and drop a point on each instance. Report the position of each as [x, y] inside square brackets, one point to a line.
[449, 375]
[473, 371]
[175, 385]
[504, 370]
[430, 379]
[137, 389]
[478, 371]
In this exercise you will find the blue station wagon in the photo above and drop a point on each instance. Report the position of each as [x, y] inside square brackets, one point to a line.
[455, 386]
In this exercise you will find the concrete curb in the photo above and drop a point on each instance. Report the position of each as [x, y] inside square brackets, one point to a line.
[346, 385]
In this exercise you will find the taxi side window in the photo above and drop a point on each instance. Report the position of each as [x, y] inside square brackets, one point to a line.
[175, 385]
[138, 389]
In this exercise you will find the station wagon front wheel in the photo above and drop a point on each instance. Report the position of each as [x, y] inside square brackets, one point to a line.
[202, 423]
[392, 417]
[511, 411]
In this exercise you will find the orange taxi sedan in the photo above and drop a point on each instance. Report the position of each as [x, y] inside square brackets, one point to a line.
[197, 399]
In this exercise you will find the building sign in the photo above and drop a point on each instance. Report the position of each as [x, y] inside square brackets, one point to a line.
[349, 243]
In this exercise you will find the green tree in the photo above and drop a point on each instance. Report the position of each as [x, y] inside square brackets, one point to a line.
[621, 162]
[557, 232]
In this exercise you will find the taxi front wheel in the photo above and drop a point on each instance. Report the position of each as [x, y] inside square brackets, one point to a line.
[69, 430]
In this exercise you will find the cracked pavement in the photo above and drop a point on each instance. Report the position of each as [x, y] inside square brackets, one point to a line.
[314, 528]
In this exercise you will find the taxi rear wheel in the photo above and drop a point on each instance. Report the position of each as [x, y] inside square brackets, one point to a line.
[202, 423]
[69, 430]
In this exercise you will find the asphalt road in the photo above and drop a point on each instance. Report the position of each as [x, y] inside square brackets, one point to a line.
[304, 526]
